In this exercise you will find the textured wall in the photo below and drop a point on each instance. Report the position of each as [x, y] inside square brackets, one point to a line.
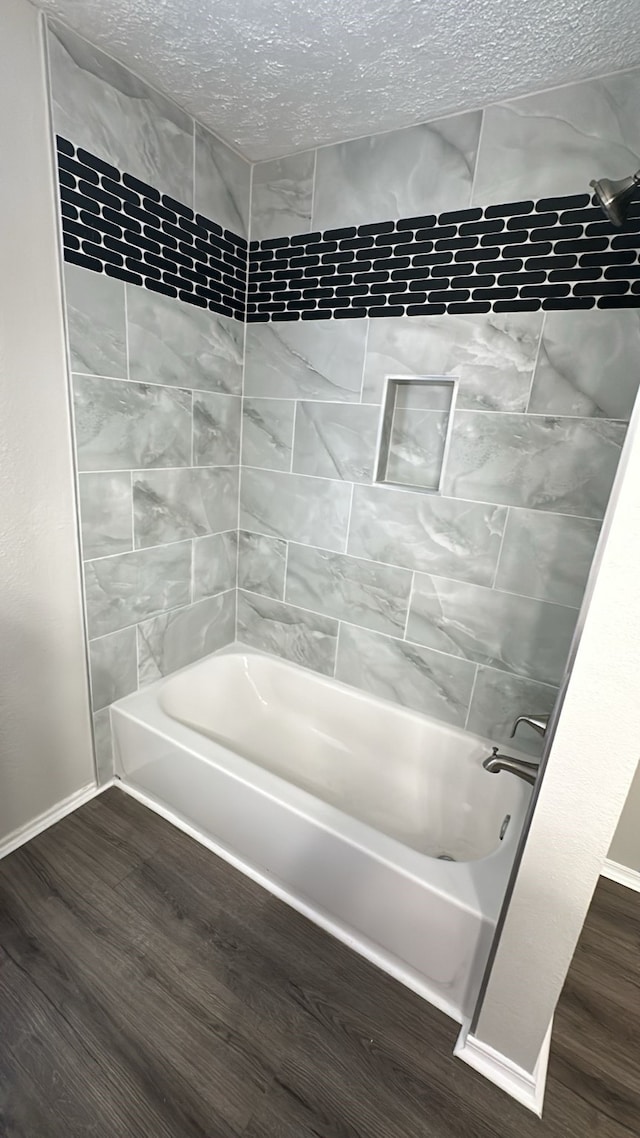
[45, 732]
[156, 391]
[461, 605]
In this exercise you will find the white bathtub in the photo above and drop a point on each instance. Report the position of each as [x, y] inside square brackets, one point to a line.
[338, 802]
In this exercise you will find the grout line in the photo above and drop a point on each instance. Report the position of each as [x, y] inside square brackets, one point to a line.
[293, 432]
[346, 540]
[473, 689]
[410, 643]
[535, 368]
[335, 658]
[193, 432]
[286, 570]
[502, 537]
[165, 612]
[133, 519]
[410, 599]
[364, 363]
[126, 333]
[193, 165]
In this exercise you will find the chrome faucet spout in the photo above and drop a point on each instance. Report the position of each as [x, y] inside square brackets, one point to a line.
[495, 762]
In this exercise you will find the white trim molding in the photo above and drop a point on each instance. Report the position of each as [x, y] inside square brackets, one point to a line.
[24, 834]
[525, 1086]
[622, 874]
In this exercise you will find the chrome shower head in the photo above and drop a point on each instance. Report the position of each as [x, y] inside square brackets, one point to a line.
[615, 197]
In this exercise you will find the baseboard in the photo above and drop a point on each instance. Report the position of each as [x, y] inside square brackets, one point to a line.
[372, 952]
[49, 818]
[522, 1085]
[622, 874]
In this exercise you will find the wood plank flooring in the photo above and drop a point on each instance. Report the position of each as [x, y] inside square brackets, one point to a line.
[149, 990]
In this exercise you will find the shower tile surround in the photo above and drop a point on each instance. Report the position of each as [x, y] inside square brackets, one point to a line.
[462, 604]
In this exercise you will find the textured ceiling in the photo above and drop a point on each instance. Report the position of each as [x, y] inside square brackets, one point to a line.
[274, 76]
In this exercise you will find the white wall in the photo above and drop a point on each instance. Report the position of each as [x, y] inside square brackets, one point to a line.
[590, 768]
[45, 740]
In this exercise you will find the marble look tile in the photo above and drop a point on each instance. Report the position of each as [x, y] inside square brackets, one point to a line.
[313, 511]
[175, 639]
[103, 748]
[282, 196]
[416, 447]
[182, 346]
[215, 563]
[563, 465]
[336, 440]
[96, 322]
[403, 173]
[267, 433]
[216, 429]
[588, 364]
[223, 181]
[513, 633]
[492, 354]
[113, 667]
[105, 514]
[427, 532]
[100, 105]
[556, 141]
[547, 556]
[347, 588]
[498, 699]
[403, 673]
[125, 589]
[301, 637]
[120, 426]
[261, 564]
[171, 505]
[309, 360]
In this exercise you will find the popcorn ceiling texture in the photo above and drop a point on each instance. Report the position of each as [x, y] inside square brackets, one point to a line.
[276, 77]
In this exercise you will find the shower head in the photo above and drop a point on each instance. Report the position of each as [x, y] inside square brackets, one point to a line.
[615, 197]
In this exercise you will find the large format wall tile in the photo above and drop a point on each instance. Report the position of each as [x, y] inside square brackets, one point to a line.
[547, 555]
[415, 677]
[282, 196]
[427, 532]
[127, 425]
[514, 633]
[114, 671]
[215, 564]
[498, 698]
[303, 637]
[361, 592]
[107, 110]
[336, 440]
[555, 142]
[563, 465]
[588, 364]
[103, 746]
[96, 323]
[171, 505]
[223, 181]
[404, 173]
[178, 638]
[261, 564]
[313, 511]
[106, 514]
[267, 433]
[492, 355]
[125, 589]
[216, 429]
[306, 361]
[182, 346]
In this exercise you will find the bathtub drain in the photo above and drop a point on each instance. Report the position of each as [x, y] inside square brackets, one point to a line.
[445, 857]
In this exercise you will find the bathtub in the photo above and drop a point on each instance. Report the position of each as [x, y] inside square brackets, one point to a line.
[346, 806]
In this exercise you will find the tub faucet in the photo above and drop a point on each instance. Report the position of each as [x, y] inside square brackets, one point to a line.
[539, 723]
[495, 762]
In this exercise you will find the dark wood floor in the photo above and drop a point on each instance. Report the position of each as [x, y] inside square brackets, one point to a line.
[148, 990]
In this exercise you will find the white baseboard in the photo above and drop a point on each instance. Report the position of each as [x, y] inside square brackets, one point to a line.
[526, 1087]
[622, 874]
[55, 814]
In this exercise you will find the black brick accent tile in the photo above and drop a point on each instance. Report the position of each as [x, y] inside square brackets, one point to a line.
[512, 209]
